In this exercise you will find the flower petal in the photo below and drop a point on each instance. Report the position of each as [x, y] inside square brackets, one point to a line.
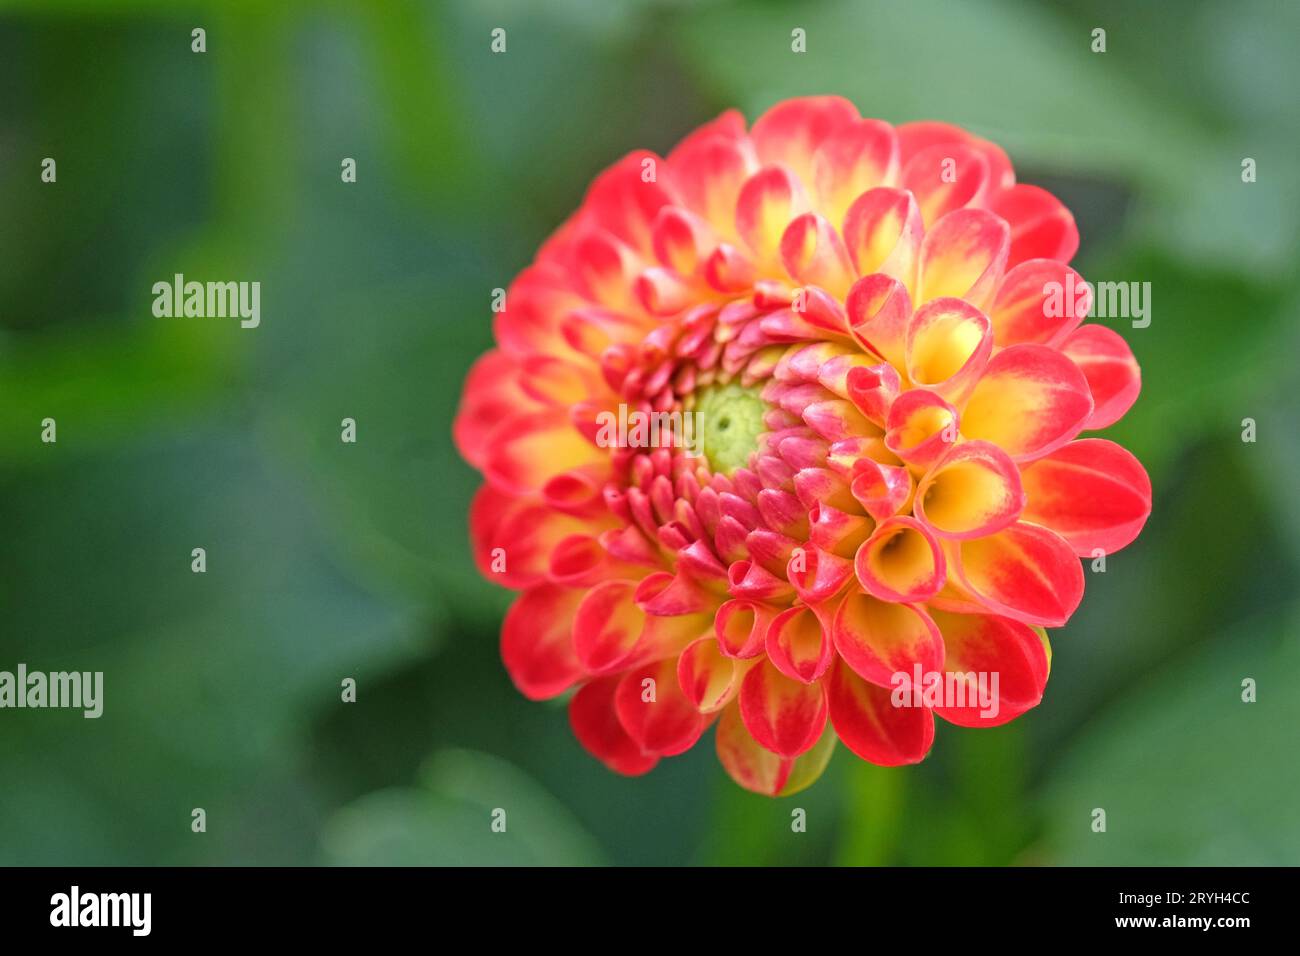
[624, 201]
[963, 256]
[862, 155]
[996, 648]
[537, 641]
[655, 713]
[768, 203]
[708, 678]
[883, 233]
[526, 540]
[526, 451]
[813, 254]
[1092, 492]
[1111, 370]
[949, 342]
[791, 132]
[869, 724]
[1025, 572]
[974, 490]
[921, 428]
[607, 625]
[1041, 226]
[797, 645]
[1030, 401]
[757, 769]
[946, 177]
[1040, 301]
[741, 628]
[881, 638]
[901, 561]
[709, 172]
[597, 727]
[878, 309]
[784, 715]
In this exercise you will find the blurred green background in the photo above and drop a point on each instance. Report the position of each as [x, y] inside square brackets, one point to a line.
[328, 560]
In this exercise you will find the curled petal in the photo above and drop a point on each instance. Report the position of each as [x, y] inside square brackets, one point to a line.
[750, 580]
[983, 646]
[883, 234]
[798, 646]
[655, 713]
[709, 171]
[1024, 572]
[1039, 302]
[784, 715]
[816, 486]
[901, 561]
[672, 595]
[757, 769]
[949, 342]
[682, 240]
[813, 254]
[974, 490]
[607, 625]
[915, 137]
[1041, 226]
[534, 308]
[791, 132]
[769, 200]
[817, 575]
[862, 155]
[1030, 401]
[580, 560]
[662, 291]
[921, 428]
[623, 201]
[729, 269]
[597, 727]
[879, 639]
[1111, 370]
[708, 678]
[868, 723]
[882, 490]
[945, 177]
[741, 628]
[577, 493]
[835, 420]
[872, 390]
[964, 256]
[838, 532]
[878, 310]
[1092, 492]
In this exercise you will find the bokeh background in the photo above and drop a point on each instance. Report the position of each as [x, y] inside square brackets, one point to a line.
[328, 560]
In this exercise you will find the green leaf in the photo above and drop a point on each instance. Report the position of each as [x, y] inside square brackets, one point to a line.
[449, 821]
[1187, 773]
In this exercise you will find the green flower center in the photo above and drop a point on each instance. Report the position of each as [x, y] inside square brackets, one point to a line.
[730, 419]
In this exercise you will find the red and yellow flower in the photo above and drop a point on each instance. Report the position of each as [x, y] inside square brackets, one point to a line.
[869, 322]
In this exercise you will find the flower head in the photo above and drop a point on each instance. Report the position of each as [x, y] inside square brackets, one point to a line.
[868, 497]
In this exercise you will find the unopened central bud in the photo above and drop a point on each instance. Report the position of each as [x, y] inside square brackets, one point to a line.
[730, 421]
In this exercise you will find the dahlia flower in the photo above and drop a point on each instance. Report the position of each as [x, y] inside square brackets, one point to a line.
[888, 483]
